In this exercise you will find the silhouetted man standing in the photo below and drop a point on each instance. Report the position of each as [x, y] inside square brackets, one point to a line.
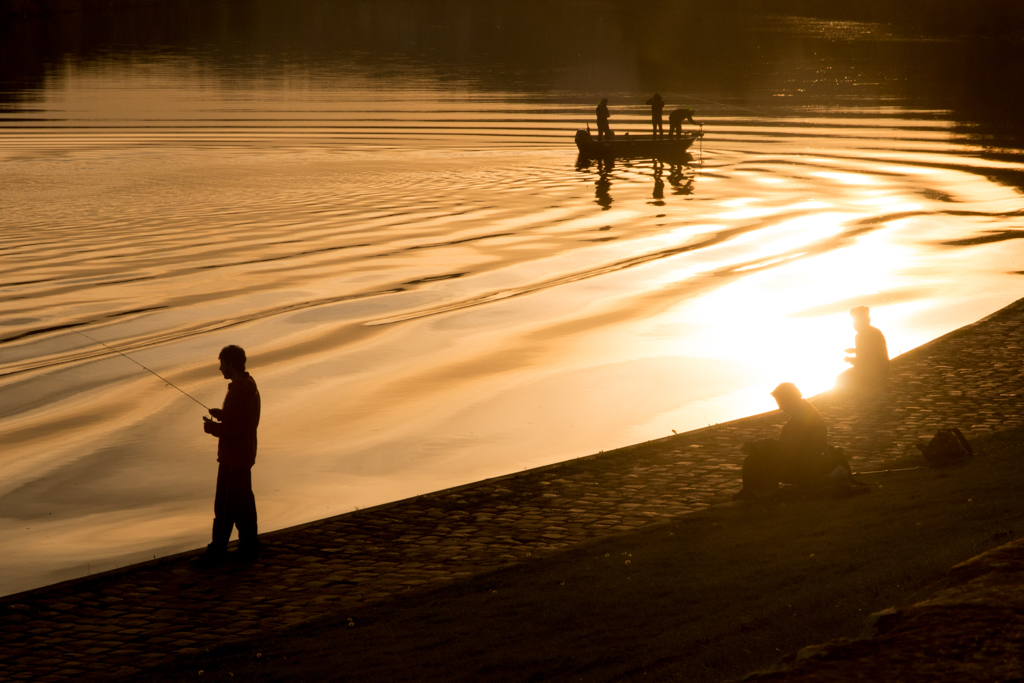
[235, 426]
[870, 359]
[657, 104]
[602, 119]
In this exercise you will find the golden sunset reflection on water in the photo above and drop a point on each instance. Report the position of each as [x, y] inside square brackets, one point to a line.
[430, 290]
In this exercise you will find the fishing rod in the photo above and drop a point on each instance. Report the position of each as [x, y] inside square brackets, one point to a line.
[903, 469]
[169, 383]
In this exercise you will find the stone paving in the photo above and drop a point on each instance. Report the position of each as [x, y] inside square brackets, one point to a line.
[138, 617]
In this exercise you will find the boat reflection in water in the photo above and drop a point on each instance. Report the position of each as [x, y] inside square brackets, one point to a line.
[680, 177]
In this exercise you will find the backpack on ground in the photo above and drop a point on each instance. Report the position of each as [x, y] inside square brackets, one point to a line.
[948, 446]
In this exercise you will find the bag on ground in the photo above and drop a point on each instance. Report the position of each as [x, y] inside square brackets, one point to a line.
[946, 447]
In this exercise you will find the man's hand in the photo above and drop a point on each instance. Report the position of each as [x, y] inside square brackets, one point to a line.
[217, 413]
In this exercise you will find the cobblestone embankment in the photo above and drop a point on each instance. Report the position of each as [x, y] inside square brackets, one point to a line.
[141, 616]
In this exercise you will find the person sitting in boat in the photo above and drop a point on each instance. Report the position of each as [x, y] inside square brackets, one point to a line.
[602, 120]
[657, 104]
[870, 355]
[800, 456]
[676, 118]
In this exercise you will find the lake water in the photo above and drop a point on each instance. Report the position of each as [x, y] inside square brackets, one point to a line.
[392, 221]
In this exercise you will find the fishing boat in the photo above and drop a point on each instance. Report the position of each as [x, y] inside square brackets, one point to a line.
[628, 146]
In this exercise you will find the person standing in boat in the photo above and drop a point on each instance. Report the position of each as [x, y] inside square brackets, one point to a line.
[657, 105]
[676, 118]
[234, 425]
[602, 120]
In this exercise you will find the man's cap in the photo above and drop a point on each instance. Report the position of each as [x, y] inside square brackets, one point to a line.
[787, 390]
[859, 311]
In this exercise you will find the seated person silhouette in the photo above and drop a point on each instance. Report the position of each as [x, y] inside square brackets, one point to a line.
[676, 118]
[870, 359]
[801, 456]
[602, 119]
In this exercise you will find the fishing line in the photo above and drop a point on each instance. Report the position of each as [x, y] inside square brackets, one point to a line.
[731, 106]
[701, 143]
[169, 383]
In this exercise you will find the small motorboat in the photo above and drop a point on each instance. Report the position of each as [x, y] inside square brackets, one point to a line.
[635, 146]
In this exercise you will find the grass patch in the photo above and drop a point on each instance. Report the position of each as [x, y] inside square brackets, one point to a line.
[704, 597]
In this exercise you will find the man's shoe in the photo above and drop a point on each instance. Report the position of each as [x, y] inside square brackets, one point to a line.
[208, 560]
[247, 553]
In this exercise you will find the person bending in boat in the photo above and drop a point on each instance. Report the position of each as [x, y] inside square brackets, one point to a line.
[676, 118]
[234, 425]
[800, 456]
[602, 120]
[870, 355]
[657, 104]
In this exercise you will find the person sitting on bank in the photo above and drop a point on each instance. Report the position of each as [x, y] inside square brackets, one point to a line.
[657, 105]
[234, 425]
[801, 456]
[602, 120]
[676, 118]
[870, 355]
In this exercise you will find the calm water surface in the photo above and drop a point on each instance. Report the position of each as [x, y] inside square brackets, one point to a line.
[430, 288]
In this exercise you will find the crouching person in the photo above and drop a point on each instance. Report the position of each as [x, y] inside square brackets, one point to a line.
[801, 456]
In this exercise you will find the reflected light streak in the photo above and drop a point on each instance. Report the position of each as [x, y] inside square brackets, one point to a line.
[769, 262]
[846, 178]
[742, 214]
[757, 318]
[892, 202]
[793, 233]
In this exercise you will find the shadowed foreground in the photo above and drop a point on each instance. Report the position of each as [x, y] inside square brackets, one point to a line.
[727, 592]
[971, 630]
[701, 598]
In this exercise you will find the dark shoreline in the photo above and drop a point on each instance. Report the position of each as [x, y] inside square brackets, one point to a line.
[985, 16]
[926, 55]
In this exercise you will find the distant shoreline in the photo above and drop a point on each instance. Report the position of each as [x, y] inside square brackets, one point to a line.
[984, 17]
[48, 8]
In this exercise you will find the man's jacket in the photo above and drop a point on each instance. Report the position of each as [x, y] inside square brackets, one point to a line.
[803, 441]
[237, 428]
